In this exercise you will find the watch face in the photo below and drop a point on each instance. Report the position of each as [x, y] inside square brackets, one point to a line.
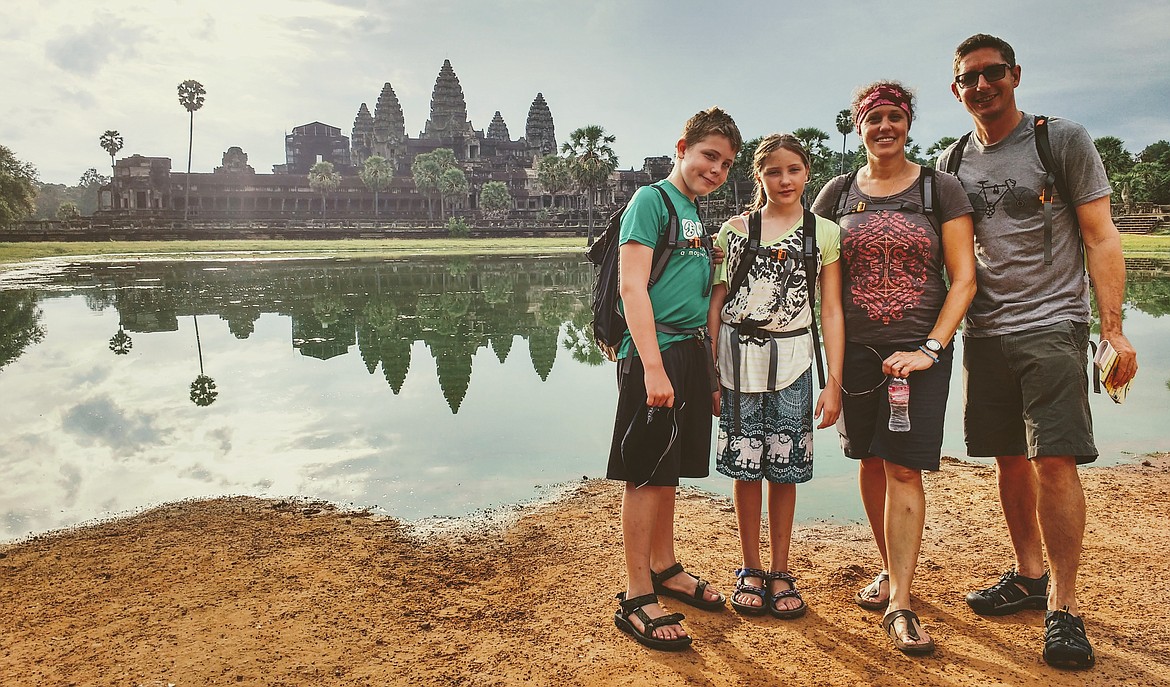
[933, 345]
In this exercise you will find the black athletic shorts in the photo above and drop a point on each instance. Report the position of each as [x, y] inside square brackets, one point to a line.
[865, 411]
[686, 366]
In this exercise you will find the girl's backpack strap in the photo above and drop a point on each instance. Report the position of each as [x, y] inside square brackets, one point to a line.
[755, 229]
[809, 253]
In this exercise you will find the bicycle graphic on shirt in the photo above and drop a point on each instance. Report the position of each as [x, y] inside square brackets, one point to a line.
[1018, 202]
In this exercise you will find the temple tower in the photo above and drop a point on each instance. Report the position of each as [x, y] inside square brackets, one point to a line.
[498, 129]
[389, 127]
[539, 130]
[448, 109]
[362, 140]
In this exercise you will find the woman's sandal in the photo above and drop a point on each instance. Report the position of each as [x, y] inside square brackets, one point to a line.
[742, 587]
[698, 599]
[791, 592]
[913, 625]
[646, 637]
[869, 597]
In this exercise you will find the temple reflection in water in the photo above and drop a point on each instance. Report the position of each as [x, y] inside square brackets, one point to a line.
[455, 306]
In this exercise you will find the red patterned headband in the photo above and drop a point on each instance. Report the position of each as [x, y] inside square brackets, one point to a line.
[883, 95]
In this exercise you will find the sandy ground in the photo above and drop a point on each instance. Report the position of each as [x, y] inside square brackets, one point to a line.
[257, 592]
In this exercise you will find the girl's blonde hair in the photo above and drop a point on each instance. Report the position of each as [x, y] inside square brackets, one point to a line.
[769, 145]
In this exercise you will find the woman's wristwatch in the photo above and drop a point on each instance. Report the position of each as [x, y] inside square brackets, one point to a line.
[931, 348]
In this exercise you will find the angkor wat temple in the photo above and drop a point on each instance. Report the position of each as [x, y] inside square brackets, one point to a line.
[147, 187]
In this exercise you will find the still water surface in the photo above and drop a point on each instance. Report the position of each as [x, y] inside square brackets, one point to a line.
[420, 387]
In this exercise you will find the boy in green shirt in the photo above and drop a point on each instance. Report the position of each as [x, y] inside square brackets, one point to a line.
[669, 370]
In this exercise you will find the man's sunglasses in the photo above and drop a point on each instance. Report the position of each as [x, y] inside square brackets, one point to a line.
[993, 73]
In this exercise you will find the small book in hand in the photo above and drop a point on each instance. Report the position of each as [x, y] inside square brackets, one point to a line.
[1105, 360]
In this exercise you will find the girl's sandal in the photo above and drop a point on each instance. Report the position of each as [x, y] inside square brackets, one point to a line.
[742, 587]
[792, 592]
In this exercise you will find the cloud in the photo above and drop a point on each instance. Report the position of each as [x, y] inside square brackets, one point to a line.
[83, 51]
[100, 421]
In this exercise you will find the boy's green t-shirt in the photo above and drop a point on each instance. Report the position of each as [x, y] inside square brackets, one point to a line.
[677, 297]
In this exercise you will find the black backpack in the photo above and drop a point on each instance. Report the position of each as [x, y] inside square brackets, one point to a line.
[1053, 180]
[608, 323]
[753, 250]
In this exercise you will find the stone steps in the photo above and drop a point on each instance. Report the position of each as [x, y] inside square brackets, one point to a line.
[1137, 224]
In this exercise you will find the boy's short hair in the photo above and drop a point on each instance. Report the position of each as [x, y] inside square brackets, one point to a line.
[713, 120]
[980, 41]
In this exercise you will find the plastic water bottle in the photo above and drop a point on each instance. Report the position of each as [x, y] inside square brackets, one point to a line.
[899, 390]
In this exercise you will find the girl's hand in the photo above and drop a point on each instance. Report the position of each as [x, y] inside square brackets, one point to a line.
[715, 407]
[902, 363]
[828, 406]
[659, 391]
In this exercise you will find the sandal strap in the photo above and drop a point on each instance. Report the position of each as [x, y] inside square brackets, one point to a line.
[782, 575]
[652, 624]
[660, 577]
[751, 572]
[874, 589]
[1066, 628]
[1009, 591]
[794, 593]
[635, 604]
[912, 622]
[742, 587]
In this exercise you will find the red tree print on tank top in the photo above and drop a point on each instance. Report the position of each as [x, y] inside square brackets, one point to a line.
[887, 257]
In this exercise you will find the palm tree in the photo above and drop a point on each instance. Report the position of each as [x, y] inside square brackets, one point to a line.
[111, 142]
[324, 180]
[844, 126]
[191, 94]
[552, 173]
[120, 343]
[591, 161]
[453, 186]
[203, 391]
[377, 175]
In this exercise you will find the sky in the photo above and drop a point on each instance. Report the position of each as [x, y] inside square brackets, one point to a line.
[71, 70]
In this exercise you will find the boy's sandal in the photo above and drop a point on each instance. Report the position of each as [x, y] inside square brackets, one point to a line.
[913, 625]
[698, 599]
[792, 592]
[646, 637]
[1065, 643]
[869, 597]
[742, 587]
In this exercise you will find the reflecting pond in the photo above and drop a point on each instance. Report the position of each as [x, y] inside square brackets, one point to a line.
[418, 387]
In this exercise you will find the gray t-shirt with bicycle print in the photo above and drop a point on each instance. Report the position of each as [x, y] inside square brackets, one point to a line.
[1016, 290]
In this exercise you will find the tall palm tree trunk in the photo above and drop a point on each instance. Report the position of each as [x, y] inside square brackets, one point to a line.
[190, 143]
[589, 233]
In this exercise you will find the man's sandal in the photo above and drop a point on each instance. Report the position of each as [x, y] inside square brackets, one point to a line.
[1065, 642]
[791, 592]
[913, 625]
[646, 637]
[869, 598]
[742, 587]
[698, 599]
[1012, 593]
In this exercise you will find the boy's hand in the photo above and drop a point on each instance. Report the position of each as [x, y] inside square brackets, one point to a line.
[659, 391]
[715, 407]
[716, 255]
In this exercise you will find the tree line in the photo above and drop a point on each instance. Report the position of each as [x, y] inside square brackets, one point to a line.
[583, 165]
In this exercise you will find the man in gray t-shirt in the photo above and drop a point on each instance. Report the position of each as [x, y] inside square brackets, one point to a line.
[1026, 336]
